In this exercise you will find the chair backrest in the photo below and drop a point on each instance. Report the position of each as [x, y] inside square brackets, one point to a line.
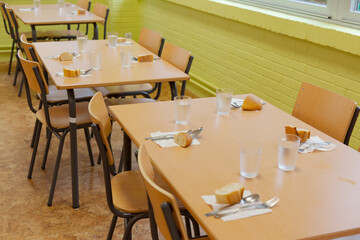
[327, 111]
[26, 47]
[100, 116]
[164, 205]
[5, 17]
[28, 67]
[14, 25]
[102, 11]
[151, 40]
[175, 55]
[85, 4]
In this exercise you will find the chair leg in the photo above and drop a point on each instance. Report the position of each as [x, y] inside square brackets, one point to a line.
[127, 229]
[188, 227]
[56, 169]
[112, 227]
[11, 57]
[99, 159]
[34, 133]
[49, 134]
[16, 72]
[21, 86]
[87, 137]
[36, 143]
[121, 163]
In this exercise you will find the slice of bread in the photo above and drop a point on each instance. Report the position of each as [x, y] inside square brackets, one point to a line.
[183, 139]
[66, 56]
[145, 58]
[229, 194]
[291, 130]
[252, 103]
[121, 40]
[303, 134]
[71, 72]
[81, 11]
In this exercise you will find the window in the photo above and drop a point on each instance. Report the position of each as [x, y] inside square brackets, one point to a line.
[347, 11]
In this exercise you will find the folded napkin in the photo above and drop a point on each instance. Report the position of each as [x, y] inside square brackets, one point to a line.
[211, 200]
[170, 142]
[26, 9]
[316, 143]
[237, 101]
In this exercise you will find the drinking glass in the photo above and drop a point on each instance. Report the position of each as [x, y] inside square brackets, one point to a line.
[82, 42]
[250, 155]
[61, 3]
[37, 4]
[68, 9]
[182, 109]
[125, 56]
[288, 151]
[112, 39]
[223, 100]
[95, 60]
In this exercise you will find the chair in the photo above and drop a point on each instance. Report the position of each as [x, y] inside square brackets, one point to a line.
[100, 10]
[163, 204]
[15, 35]
[152, 41]
[327, 111]
[55, 118]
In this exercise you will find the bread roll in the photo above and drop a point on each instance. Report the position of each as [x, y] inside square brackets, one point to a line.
[71, 73]
[121, 40]
[229, 194]
[184, 139]
[66, 56]
[290, 130]
[145, 58]
[303, 134]
[252, 103]
[81, 11]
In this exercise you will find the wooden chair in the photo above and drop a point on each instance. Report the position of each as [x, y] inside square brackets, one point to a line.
[100, 10]
[163, 204]
[55, 118]
[327, 111]
[152, 41]
[15, 35]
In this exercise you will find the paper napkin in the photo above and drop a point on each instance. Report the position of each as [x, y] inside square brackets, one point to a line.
[170, 142]
[310, 145]
[211, 200]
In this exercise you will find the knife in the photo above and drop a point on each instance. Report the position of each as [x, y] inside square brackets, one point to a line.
[168, 136]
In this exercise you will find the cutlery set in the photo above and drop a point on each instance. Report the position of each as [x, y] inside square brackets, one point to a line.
[83, 72]
[57, 56]
[155, 58]
[193, 133]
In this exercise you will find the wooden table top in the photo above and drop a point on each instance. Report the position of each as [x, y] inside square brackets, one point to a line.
[319, 199]
[51, 14]
[111, 73]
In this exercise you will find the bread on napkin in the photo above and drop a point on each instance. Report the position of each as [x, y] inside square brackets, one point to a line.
[230, 194]
[252, 103]
[145, 58]
[71, 72]
[66, 56]
[184, 139]
[302, 133]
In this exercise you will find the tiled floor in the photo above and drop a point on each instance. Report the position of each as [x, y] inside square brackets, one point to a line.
[24, 213]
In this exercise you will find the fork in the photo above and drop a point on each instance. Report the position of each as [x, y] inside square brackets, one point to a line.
[268, 204]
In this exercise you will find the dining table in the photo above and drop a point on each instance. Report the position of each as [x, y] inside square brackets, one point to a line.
[318, 200]
[53, 14]
[110, 74]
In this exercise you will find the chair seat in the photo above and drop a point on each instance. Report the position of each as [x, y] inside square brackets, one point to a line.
[59, 115]
[57, 96]
[128, 192]
[123, 89]
[39, 35]
[123, 101]
[63, 33]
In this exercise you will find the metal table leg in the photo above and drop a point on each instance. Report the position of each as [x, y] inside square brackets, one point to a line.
[96, 32]
[173, 90]
[127, 152]
[73, 147]
[33, 31]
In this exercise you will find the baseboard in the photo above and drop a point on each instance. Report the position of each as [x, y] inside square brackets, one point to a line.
[200, 87]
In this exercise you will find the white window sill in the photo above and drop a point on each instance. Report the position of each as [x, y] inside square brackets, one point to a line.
[320, 32]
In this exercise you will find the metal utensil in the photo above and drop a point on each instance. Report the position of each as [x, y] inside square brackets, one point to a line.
[57, 56]
[85, 72]
[268, 204]
[135, 58]
[239, 104]
[249, 199]
[193, 133]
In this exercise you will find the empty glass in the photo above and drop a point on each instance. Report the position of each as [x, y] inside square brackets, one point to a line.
[112, 39]
[37, 4]
[250, 155]
[61, 3]
[82, 42]
[182, 109]
[223, 100]
[95, 60]
[288, 151]
[68, 9]
[125, 56]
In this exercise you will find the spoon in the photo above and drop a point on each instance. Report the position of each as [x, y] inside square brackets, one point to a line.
[249, 199]
[268, 204]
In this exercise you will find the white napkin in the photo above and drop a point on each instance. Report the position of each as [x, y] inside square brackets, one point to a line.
[308, 147]
[26, 9]
[211, 200]
[237, 101]
[170, 142]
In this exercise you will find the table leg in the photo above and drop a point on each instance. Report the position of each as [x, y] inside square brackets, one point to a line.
[96, 32]
[173, 90]
[127, 152]
[33, 31]
[73, 147]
